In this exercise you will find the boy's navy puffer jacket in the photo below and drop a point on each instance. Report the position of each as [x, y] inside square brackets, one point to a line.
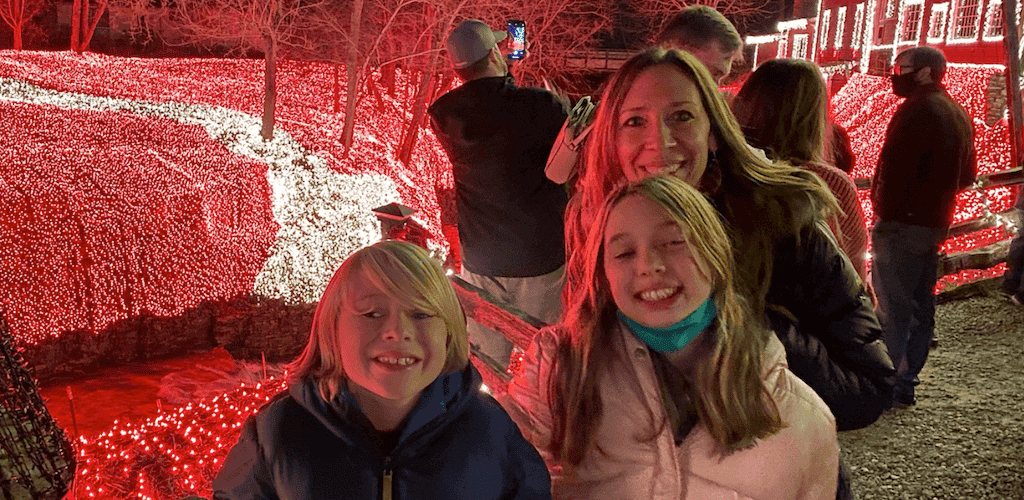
[457, 443]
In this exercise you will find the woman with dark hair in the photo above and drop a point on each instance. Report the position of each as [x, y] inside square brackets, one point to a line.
[783, 109]
[661, 113]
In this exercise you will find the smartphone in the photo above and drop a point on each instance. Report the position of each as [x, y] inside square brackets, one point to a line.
[517, 32]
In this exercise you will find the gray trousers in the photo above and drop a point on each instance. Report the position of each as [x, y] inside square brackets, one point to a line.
[538, 296]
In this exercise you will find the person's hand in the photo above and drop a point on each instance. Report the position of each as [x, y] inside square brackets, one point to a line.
[506, 50]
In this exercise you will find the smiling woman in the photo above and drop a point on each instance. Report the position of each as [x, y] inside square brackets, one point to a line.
[382, 399]
[662, 112]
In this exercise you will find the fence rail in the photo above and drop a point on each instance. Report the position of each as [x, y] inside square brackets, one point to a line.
[981, 257]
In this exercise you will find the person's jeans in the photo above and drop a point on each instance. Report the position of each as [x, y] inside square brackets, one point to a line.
[1015, 263]
[538, 296]
[904, 270]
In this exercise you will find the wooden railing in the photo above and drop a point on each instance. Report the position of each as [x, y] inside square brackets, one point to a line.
[491, 312]
[600, 60]
[981, 257]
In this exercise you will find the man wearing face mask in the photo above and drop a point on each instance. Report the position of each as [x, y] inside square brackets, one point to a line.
[927, 158]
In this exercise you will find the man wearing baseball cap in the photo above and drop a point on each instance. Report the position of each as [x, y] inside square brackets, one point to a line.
[498, 137]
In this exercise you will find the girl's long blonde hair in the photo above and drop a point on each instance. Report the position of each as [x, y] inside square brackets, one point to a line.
[732, 401]
[403, 271]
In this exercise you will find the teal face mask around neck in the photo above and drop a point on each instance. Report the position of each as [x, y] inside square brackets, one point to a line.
[677, 336]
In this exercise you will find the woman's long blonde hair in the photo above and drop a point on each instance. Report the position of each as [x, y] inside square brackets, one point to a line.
[732, 401]
[404, 272]
[760, 200]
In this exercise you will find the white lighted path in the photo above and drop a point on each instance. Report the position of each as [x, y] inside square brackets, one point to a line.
[323, 215]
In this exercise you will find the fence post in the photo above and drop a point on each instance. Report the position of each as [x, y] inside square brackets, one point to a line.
[1011, 42]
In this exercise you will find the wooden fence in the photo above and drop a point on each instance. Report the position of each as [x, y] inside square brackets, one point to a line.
[981, 257]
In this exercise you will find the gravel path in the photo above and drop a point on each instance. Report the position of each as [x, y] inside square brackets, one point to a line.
[963, 439]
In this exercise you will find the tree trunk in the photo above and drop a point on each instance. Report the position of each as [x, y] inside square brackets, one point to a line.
[269, 88]
[419, 110]
[337, 90]
[76, 23]
[16, 42]
[387, 78]
[352, 67]
[445, 82]
[419, 113]
[89, 27]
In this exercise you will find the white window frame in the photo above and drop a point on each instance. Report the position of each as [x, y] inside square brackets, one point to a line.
[939, 19]
[993, 20]
[800, 46]
[840, 27]
[901, 27]
[858, 26]
[951, 34]
[890, 8]
[826, 18]
[869, 31]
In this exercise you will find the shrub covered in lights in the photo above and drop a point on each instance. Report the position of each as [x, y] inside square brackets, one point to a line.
[141, 194]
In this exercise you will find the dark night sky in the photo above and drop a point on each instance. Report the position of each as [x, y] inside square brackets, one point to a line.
[631, 32]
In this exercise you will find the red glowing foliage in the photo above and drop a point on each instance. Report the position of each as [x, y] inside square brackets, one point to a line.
[171, 456]
[304, 110]
[110, 214]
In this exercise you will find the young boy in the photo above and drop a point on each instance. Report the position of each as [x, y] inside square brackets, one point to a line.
[383, 402]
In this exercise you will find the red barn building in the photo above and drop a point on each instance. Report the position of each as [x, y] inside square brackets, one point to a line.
[864, 36]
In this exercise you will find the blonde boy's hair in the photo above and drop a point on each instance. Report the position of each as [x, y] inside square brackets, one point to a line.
[404, 272]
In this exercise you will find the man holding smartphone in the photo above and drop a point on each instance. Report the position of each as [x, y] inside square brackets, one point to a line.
[498, 136]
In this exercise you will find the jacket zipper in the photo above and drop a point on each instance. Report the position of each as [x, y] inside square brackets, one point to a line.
[385, 488]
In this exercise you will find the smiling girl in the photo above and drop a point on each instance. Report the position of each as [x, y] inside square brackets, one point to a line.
[660, 383]
[383, 402]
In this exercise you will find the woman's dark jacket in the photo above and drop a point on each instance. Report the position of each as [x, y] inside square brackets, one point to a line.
[819, 309]
[456, 443]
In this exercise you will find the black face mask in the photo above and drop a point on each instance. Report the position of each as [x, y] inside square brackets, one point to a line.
[903, 85]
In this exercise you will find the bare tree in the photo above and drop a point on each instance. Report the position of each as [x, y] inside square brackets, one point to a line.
[742, 13]
[276, 28]
[413, 36]
[16, 13]
[84, 18]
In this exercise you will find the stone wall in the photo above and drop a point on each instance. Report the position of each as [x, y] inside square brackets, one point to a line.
[247, 327]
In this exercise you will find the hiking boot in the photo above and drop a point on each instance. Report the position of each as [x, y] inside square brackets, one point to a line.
[903, 397]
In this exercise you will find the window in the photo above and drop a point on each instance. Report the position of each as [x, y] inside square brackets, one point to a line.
[840, 26]
[823, 35]
[800, 46]
[965, 20]
[858, 26]
[994, 20]
[911, 28]
[890, 8]
[937, 23]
